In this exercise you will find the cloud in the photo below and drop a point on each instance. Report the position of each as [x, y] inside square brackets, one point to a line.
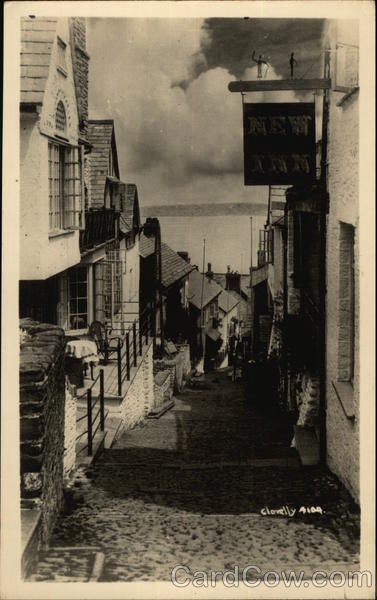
[178, 129]
[229, 43]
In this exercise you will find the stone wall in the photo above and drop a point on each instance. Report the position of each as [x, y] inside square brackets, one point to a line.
[42, 399]
[293, 299]
[342, 430]
[140, 394]
[162, 389]
[69, 460]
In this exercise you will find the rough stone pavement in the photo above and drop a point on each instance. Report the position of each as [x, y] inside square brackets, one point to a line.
[189, 489]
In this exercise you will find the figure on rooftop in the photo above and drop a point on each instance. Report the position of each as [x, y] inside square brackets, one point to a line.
[292, 62]
[260, 62]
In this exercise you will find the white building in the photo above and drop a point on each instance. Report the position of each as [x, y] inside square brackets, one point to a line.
[342, 306]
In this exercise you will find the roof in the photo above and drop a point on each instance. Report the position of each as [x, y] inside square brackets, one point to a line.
[227, 302]
[202, 287]
[214, 334]
[131, 211]
[173, 267]
[102, 138]
[259, 275]
[37, 38]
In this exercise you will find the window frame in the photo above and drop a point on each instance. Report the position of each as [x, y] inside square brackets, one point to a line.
[76, 298]
[61, 56]
[65, 187]
[346, 302]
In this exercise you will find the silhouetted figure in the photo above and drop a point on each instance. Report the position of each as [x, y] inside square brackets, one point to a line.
[259, 62]
[292, 62]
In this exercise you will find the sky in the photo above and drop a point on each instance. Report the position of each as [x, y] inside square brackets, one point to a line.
[165, 84]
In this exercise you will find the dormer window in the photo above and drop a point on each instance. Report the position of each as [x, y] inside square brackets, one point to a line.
[61, 57]
[60, 119]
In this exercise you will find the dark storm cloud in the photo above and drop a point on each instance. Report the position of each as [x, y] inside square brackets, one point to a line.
[229, 43]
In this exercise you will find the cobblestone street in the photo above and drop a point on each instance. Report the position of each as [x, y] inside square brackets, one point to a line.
[191, 488]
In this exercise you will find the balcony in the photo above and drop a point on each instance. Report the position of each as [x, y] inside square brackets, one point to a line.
[101, 226]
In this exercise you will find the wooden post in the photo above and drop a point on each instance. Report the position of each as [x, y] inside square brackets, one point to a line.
[322, 291]
[102, 399]
[277, 85]
[134, 344]
[140, 340]
[251, 290]
[90, 429]
[119, 356]
[128, 355]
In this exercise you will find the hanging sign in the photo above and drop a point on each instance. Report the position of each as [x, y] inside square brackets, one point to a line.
[279, 143]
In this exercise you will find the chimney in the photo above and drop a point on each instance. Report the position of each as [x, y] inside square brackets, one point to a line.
[209, 271]
[233, 281]
[80, 65]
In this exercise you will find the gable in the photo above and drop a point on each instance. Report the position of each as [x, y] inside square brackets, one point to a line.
[47, 75]
[37, 40]
[103, 154]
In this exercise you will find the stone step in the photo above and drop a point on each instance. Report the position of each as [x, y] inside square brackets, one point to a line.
[307, 445]
[113, 425]
[69, 563]
[161, 410]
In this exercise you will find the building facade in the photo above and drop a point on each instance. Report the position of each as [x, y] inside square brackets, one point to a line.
[52, 148]
[314, 279]
[80, 224]
[342, 261]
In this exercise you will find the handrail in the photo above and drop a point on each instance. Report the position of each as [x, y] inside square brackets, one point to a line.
[89, 388]
[91, 419]
[133, 347]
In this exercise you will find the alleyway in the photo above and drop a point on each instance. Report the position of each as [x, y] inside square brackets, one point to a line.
[188, 489]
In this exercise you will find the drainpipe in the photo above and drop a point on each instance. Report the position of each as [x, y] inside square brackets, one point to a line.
[324, 199]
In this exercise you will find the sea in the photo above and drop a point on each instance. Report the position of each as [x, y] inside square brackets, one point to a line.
[221, 233]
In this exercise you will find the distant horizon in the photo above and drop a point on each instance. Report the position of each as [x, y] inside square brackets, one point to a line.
[198, 210]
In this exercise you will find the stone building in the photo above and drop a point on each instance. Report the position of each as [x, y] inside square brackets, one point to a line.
[174, 286]
[314, 280]
[203, 295]
[342, 262]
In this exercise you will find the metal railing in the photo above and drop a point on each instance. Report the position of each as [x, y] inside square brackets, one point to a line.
[92, 427]
[127, 355]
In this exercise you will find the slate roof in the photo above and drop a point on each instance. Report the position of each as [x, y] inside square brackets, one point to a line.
[37, 39]
[102, 137]
[227, 302]
[173, 267]
[131, 206]
[211, 289]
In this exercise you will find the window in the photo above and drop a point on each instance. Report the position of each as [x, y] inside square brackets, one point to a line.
[78, 298]
[346, 67]
[65, 190]
[72, 309]
[108, 277]
[61, 56]
[266, 245]
[346, 343]
[60, 119]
